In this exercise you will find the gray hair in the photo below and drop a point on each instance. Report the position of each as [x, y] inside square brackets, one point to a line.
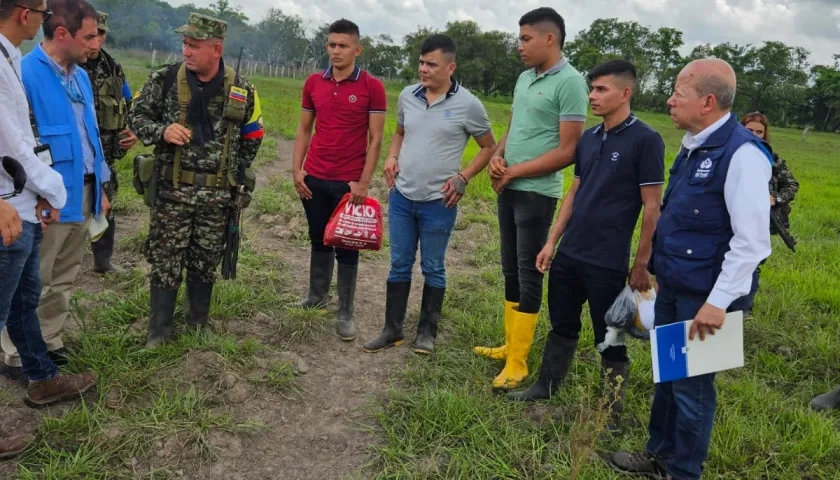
[711, 84]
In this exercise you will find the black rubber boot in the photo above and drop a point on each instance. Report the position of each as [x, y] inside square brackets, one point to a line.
[396, 302]
[160, 317]
[427, 327]
[827, 401]
[614, 389]
[103, 249]
[321, 265]
[197, 298]
[557, 358]
[346, 293]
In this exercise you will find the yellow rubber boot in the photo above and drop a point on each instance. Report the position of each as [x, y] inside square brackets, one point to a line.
[500, 353]
[516, 365]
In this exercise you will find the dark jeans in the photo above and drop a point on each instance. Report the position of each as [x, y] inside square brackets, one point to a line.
[20, 292]
[683, 411]
[750, 298]
[430, 224]
[571, 283]
[524, 221]
[326, 194]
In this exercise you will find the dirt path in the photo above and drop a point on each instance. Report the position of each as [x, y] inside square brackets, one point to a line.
[317, 433]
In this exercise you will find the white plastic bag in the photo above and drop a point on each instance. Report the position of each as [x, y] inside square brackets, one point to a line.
[631, 313]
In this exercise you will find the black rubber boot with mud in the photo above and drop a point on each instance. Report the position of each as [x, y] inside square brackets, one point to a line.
[396, 302]
[103, 249]
[557, 358]
[197, 298]
[346, 294]
[427, 326]
[827, 401]
[614, 390]
[160, 316]
[321, 265]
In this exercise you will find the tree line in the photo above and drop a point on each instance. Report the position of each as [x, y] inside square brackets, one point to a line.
[773, 78]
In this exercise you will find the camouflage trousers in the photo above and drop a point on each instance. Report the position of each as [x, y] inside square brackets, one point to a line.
[111, 186]
[185, 236]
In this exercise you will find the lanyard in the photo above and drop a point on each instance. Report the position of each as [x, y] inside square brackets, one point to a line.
[31, 112]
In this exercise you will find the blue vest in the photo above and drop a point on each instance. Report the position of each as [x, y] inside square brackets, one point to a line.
[694, 229]
[58, 128]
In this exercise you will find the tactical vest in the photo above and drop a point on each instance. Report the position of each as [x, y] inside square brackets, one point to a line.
[233, 112]
[111, 111]
[694, 228]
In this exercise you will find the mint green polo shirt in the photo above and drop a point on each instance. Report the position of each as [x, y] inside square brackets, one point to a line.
[540, 103]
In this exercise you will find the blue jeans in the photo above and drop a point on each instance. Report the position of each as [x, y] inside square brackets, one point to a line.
[20, 292]
[750, 297]
[683, 411]
[430, 223]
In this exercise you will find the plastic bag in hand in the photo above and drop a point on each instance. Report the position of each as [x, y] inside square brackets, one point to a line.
[631, 313]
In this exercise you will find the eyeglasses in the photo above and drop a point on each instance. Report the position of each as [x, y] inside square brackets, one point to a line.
[45, 14]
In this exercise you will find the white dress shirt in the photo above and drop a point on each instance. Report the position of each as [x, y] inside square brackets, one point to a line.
[17, 141]
[746, 192]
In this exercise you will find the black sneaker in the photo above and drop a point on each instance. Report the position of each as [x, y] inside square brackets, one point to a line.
[641, 464]
[14, 374]
[59, 356]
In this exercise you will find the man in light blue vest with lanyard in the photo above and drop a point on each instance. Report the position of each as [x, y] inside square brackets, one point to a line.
[713, 231]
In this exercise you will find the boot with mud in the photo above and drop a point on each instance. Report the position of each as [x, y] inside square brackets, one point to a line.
[500, 353]
[160, 316]
[103, 250]
[59, 388]
[557, 358]
[321, 265]
[347, 275]
[827, 401]
[197, 299]
[396, 302]
[427, 327]
[14, 445]
[516, 363]
[614, 377]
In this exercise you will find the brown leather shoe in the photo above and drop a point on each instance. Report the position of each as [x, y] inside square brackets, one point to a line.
[11, 446]
[59, 388]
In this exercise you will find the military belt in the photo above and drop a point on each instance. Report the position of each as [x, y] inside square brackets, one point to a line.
[209, 180]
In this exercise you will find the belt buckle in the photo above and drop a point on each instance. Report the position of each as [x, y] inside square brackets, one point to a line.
[200, 179]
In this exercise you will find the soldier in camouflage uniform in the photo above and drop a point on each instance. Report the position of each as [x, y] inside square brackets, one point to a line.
[112, 100]
[783, 187]
[188, 223]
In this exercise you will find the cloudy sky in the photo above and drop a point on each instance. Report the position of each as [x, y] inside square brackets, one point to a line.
[813, 24]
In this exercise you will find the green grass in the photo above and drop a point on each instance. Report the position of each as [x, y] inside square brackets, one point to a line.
[441, 419]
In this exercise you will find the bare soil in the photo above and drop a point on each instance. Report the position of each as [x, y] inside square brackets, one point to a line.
[325, 430]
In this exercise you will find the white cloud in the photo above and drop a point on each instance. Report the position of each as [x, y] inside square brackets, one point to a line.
[812, 24]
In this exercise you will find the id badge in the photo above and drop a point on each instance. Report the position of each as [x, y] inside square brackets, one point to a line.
[44, 153]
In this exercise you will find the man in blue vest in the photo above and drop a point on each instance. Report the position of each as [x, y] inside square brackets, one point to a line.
[712, 233]
[61, 97]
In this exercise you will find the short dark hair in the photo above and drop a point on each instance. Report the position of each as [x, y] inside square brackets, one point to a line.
[69, 14]
[545, 15]
[8, 7]
[620, 68]
[438, 42]
[345, 27]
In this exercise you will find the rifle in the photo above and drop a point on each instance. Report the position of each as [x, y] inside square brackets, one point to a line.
[776, 222]
[231, 255]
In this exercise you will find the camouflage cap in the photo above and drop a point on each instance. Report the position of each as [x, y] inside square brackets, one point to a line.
[202, 27]
[102, 21]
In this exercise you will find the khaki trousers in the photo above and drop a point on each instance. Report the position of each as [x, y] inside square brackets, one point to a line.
[61, 254]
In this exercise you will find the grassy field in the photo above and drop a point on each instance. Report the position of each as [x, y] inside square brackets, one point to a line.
[439, 418]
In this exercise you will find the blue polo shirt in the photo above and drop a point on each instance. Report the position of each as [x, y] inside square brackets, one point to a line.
[612, 166]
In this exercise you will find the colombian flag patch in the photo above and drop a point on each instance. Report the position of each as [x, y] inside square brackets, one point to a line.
[238, 94]
[254, 128]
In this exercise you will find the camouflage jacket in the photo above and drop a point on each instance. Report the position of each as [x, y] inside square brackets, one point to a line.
[99, 70]
[783, 185]
[151, 114]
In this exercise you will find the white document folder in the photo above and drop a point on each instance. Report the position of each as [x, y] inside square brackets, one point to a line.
[674, 356]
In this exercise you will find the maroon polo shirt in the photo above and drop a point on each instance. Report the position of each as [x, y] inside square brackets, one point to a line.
[342, 112]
